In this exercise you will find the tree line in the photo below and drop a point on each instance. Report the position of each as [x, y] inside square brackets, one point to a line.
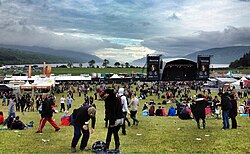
[242, 62]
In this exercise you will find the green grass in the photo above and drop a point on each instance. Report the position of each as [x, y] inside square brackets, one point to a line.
[158, 135]
[78, 71]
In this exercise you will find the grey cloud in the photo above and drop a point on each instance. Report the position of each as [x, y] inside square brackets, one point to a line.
[18, 33]
[174, 17]
[231, 36]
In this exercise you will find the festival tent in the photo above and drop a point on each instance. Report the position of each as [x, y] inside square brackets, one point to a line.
[115, 76]
[26, 86]
[236, 84]
[5, 88]
[225, 81]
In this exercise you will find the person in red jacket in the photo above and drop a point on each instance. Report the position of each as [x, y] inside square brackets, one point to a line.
[47, 113]
[1, 117]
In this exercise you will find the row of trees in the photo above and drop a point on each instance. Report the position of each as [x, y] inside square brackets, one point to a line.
[104, 64]
[242, 62]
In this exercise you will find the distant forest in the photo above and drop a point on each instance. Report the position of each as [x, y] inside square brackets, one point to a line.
[16, 57]
[242, 62]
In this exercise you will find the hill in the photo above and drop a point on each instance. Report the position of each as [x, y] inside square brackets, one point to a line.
[224, 55]
[66, 55]
[15, 57]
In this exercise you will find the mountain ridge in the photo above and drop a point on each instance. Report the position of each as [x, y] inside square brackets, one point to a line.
[72, 56]
[220, 55]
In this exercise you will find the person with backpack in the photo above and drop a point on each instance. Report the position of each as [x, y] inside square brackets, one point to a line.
[114, 115]
[125, 109]
[80, 120]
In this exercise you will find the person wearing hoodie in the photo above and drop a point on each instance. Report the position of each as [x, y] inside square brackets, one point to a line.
[11, 110]
[125, 109]
[114, 115]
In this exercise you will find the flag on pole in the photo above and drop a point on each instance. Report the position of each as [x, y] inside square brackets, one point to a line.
[48, 70]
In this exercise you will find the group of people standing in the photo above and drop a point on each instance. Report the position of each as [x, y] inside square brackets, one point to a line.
[228, 104]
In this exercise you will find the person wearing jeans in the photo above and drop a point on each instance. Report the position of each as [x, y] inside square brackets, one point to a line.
[225, 107]
[81, 116]
[225, 118]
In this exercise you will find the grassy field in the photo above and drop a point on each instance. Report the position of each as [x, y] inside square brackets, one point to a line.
[78, 71]
[153, 135]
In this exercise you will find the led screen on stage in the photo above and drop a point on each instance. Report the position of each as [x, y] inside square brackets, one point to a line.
[153, 67]
[203, 67]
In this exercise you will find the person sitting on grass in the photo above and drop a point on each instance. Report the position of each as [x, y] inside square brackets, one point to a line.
[18, 124]
[185, 114]
[158, 111]
[171, 111]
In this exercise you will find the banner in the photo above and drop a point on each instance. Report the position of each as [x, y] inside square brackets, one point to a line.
[48, 70]
[29, 71]
[44, 68]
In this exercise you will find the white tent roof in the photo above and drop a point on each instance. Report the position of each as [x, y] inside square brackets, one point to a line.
[115, 76]
[72, 78]
[226, 80]
[18, 78]
[243, 78]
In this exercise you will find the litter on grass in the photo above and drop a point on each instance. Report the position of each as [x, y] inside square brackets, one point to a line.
[198, 139]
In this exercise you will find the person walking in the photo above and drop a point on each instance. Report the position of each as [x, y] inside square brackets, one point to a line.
[114, 115]
[81, 117]
[46, 114]
[69, 101]
[134, 104]
[198, 110]
[125, 109]
[233, 111]
[62, 102]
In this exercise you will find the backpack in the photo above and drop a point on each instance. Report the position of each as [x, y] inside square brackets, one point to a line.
[99, 147]
[119, 101]
[74, 114]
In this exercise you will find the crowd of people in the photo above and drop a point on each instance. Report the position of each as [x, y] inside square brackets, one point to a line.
[123, 101]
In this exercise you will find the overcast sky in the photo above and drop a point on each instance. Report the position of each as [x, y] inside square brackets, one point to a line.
[126, 30]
